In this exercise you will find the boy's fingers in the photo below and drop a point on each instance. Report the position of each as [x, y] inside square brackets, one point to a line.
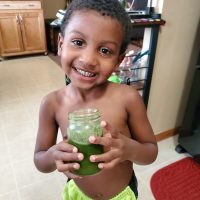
[58, 154]
[68, 169]
[62, 167]
[109, 164]
[105, 157]
[110, 140]
[71, 175]
[107, 129]
[105, 141]
[71, 156]
[64, 146]
[103, 124]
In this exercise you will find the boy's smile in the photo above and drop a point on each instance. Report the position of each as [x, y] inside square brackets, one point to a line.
[85, 73]
[90, 48]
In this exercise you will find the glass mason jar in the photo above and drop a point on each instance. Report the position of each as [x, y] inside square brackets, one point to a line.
[82, 124]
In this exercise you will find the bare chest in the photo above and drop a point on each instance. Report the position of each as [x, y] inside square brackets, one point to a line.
[112, 112]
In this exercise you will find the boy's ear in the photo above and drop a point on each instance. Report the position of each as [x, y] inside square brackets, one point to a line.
[60, 43]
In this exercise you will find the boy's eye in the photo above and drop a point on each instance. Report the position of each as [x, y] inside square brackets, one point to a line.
[77, 42]
[105, 50]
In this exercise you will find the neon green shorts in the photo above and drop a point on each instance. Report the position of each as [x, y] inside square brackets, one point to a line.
[72, 192]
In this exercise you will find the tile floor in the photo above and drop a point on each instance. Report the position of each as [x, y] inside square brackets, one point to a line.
[22, 85]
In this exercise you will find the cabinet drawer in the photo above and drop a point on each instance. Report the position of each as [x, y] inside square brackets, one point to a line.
[9, 5]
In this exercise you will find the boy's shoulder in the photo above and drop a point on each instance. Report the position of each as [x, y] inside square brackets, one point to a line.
[126, 93]
[54, 97]
[122, 88]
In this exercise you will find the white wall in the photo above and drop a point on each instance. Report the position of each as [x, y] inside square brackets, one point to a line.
[177, 49]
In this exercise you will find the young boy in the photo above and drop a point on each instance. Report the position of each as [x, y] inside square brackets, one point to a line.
[94, 37]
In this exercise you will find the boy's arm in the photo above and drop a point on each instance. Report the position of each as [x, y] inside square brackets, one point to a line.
[142, 149]
[46, 138]
[48, 155]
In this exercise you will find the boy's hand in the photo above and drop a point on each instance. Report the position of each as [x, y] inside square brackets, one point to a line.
[65, 156]
[115, 146]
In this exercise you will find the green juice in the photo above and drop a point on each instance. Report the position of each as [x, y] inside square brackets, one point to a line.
[87, 167]
[84, 123]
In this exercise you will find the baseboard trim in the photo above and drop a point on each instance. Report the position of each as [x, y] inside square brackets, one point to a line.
[167, 134]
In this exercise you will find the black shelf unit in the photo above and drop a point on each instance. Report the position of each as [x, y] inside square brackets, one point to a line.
[139, 24]
[52, 32]
[189, 134]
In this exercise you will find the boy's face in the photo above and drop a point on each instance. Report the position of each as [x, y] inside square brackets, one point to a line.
[90, 49]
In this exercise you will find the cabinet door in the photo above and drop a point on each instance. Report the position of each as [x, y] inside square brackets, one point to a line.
[33, 32]
[10, 34]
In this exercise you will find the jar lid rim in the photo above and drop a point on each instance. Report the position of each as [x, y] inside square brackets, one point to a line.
[82, 113]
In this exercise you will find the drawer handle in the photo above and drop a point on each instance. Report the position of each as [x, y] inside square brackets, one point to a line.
[6, 5]
[17, 19]
[31, 5]
[20, 18]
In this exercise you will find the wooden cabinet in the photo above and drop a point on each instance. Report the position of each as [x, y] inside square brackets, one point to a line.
[10, 34]
[22, 29]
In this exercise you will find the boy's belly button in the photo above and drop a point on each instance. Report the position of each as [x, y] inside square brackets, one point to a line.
[99, 195]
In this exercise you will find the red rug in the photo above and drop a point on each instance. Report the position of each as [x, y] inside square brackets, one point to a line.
[177, 181]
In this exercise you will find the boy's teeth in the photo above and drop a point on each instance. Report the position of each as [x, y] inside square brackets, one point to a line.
[84, 73]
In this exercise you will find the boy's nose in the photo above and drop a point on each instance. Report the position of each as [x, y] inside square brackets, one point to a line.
[88, 57]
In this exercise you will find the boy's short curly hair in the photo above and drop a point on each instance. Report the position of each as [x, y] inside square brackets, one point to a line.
[110, 8]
